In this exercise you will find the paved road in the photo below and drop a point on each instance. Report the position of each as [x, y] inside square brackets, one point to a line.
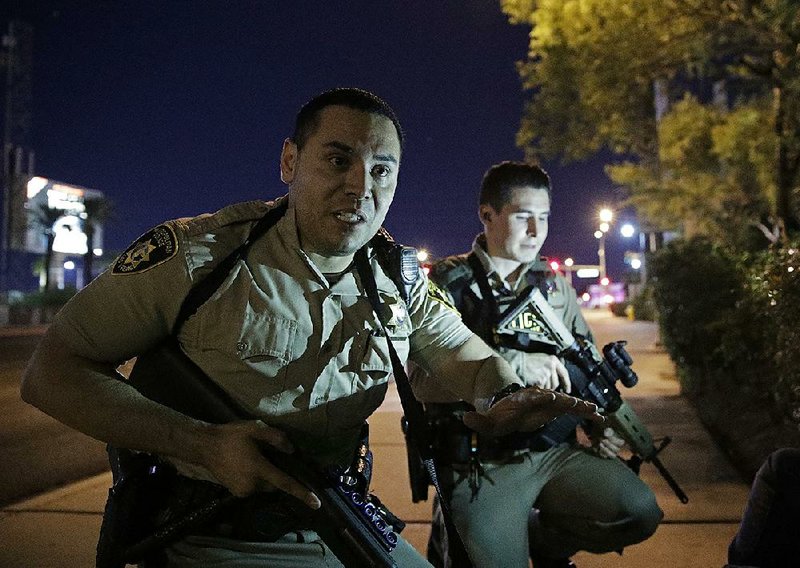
[37, 452]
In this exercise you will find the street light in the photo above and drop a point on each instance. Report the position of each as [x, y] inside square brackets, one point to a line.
[605, 215]
[627, 230]
[635, 259]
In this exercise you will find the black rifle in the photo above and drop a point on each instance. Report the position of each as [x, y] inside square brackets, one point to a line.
[593, 378]
[356, 527]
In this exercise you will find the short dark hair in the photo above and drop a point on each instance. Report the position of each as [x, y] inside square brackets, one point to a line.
[501, 179]
[307, 119]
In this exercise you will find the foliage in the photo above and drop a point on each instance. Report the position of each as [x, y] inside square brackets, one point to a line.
[618, 308]
[46, 217]
[600, 72]
[591, 69]
[98, 210]
[730, 321]
[773, 292]
[717, 174]
[696, 288]
[643, 304]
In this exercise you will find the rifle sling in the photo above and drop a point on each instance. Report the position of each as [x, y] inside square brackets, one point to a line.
[412, 408]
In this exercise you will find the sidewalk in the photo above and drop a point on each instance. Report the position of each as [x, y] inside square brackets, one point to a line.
[18, 330]
[59, 529]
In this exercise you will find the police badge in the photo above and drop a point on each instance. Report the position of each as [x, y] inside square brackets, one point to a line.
[155, 247]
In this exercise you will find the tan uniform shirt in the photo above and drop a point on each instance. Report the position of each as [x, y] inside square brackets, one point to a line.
[304, 354]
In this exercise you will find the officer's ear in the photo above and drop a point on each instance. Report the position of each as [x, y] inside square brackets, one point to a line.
[485, 213]
[288, 160]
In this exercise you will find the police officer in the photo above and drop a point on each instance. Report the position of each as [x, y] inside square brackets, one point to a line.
[289, 333]
[509, 497]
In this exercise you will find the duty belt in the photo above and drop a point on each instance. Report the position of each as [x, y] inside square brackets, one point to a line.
[454, 443]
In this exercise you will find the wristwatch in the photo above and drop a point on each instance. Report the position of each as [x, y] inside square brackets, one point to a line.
[504, 392]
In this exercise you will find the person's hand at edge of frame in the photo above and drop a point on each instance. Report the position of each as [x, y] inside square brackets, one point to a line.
[529, 409]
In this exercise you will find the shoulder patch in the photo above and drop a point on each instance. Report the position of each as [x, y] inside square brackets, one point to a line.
[438, 295]
[155, 247]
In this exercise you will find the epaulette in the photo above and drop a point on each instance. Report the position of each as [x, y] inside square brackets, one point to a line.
[244, 212]
[541, 264]
[448, 270]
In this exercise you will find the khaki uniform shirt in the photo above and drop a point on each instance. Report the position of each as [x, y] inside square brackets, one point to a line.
[304, 354]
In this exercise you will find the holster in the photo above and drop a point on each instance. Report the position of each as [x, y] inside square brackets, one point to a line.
[454, 443]
[135, 501]
[417, 474]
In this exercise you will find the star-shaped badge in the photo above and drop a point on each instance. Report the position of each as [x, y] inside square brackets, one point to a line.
[139, 253]
[155, 247]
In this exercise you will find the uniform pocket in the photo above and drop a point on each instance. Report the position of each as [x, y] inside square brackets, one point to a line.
[375, 362]
[266, 336]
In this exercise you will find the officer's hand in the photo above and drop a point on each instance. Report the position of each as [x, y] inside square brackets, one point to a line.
[546, 371]
[609, 444]
[527, 410]
[236, 461]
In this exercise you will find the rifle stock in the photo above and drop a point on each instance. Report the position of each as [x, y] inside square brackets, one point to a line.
[349, 524]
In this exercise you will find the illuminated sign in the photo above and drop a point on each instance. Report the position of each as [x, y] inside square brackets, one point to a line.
[587, 273]
[68, 229]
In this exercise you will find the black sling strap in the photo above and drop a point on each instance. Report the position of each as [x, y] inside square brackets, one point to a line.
[483, 284]
[412, 408]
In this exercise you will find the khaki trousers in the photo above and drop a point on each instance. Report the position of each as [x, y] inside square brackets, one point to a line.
[294, 550]
[579, 502]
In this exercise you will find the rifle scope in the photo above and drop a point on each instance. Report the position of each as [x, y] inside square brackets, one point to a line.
[620, 362]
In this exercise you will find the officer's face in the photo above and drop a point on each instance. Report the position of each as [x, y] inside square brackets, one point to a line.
[342, 181]
[519, 229]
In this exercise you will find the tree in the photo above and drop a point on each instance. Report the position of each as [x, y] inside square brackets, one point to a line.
[46, 217]
[98, 210]
[602, 74]
[717, 174]
[592, 69]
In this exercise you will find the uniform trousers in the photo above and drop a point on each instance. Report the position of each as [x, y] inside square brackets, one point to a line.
[584, 502]
[299, 549]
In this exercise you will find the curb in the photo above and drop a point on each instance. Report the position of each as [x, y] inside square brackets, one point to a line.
[22, 330]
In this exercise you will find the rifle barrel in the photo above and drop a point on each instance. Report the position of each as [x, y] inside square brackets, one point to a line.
[669, 479]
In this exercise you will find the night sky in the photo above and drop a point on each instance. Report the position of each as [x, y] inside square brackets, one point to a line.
[174, 108]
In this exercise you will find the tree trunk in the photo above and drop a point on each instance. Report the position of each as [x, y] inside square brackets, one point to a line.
[786, 170]
[48, 260]
[88, 258]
